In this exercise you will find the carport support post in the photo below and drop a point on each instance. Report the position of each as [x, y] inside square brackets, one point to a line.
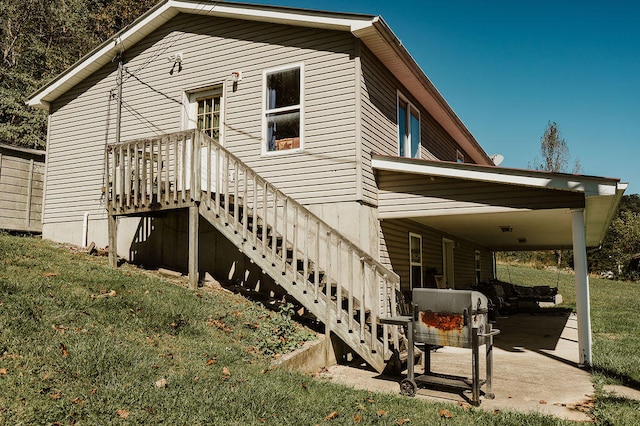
[582, 286]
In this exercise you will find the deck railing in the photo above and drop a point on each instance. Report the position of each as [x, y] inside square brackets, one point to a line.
[192, 167]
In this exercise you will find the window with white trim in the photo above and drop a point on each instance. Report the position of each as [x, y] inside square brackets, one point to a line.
[415, 260]
[283, 109]
[459, 157]
[408, 129]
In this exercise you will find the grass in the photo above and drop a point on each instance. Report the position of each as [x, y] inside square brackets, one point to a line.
[615, 315]
[85, 344]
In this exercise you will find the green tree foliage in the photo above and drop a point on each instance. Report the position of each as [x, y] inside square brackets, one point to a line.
[38, 40]
[554, 152]
[621, 242]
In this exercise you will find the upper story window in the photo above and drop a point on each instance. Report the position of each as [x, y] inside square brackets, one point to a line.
[283, 109]
[459, 157]
[408, 129]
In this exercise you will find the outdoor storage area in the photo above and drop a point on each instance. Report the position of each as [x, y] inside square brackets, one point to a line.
[21, 188]
[535, 369]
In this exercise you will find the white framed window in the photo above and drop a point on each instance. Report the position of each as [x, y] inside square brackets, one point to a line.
[415, 260]
[408, 128]
[459, 157]
[283, 109]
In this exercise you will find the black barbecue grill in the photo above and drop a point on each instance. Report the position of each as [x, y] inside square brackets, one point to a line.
[444, 317]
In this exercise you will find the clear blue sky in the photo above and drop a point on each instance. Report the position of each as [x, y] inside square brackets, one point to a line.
[509, 67]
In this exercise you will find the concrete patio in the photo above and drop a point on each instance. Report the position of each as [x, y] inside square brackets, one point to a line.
[535, 369]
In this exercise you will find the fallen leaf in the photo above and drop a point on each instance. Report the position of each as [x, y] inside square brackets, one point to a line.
[4, 371]
[445, 413]
[162, 383]
[60, 328]
[50, 274]
[63, 349]
[78, 401]
[93, 391]
[542, 401]
[401, 422]
[56, 395]
[357, 418]
[225, 371]
[496, 411]
[332, 415]
[370, 400]
[123, 414]
[211, 361]
[464, 405]
[381, 413]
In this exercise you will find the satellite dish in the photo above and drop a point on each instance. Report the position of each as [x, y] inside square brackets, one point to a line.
[497, 159]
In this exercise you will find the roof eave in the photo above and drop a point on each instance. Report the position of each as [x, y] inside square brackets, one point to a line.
[590, 185]
[372, 30]
[167, 9]
[409, 73]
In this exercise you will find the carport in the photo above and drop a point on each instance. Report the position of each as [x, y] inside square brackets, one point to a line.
[505, 209]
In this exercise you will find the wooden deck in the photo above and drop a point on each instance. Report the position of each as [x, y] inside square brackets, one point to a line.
[343, 286]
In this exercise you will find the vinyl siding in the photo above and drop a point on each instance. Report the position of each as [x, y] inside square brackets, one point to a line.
[407, 195]
[82, 120]
[379, 90]
[394, 252]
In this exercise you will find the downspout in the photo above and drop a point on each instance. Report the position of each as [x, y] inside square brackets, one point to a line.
[85, 229]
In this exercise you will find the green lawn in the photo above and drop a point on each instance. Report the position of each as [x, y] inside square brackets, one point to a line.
[85, 344]
[615, 320]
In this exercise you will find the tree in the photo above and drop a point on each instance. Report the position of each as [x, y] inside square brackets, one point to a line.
[621, 241]
[555, 158]
[554, 152]
[39, 39]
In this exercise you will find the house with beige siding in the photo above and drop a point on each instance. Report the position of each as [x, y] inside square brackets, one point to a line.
[299, 151]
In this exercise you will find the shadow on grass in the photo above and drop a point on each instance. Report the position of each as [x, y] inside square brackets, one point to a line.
[622, 378]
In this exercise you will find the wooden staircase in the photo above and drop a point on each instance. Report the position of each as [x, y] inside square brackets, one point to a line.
[340, 284]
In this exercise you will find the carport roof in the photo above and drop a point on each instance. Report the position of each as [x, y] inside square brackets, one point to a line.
[496, 207]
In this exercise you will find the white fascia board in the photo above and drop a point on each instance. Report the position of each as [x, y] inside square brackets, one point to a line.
[163, 12]
[589, 185]
[277, 15]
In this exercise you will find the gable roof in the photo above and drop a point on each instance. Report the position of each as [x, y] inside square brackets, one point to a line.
[370, 29]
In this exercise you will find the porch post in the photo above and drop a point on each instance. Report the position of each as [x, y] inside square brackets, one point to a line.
[194, 219]
[112, 226]
[582, 286]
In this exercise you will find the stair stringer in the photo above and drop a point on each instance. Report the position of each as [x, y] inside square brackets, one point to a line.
[369, 348]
